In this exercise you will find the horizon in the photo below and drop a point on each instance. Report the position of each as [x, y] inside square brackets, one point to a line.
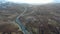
[32, 1]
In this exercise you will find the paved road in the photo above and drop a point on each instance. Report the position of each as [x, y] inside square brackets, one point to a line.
[22, 26]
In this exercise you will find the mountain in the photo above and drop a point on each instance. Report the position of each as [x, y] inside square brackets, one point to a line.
[8, 13]
[37, 18]
[44, 18]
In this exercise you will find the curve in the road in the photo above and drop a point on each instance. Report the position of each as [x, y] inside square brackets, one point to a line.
[22, 26]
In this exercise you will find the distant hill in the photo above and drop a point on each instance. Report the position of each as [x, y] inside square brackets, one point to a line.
[9, 9]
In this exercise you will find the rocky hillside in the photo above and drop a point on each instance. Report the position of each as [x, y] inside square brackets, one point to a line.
[8, 13]
[45, 18]
[37, 18]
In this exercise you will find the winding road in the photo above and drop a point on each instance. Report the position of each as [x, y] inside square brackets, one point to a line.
[22, 26]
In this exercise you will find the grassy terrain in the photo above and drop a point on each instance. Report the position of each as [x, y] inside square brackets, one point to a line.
[36, 18]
